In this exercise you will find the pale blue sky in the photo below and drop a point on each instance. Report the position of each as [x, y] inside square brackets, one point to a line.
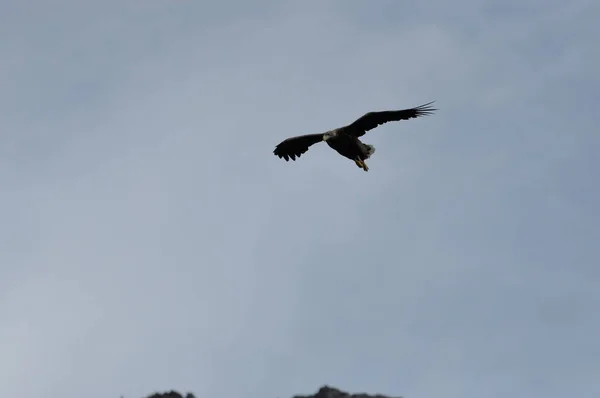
[150, 240]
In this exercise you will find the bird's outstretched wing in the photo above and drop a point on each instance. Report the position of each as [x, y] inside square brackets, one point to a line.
[373, 119]
[295, 146]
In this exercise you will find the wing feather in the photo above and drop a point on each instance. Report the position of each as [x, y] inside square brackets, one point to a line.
[373, 119]
[294, 147]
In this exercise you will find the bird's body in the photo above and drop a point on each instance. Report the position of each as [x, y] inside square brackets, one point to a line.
[349, 146]
[345, 140]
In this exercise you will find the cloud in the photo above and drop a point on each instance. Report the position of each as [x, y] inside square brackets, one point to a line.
[152, 241]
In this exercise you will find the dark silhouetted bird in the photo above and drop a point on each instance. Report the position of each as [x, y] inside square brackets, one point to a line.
[344, 140]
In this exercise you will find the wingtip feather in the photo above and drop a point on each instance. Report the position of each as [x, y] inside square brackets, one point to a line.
[425, 109]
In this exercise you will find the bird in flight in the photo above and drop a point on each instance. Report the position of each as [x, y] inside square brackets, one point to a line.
[345, 140]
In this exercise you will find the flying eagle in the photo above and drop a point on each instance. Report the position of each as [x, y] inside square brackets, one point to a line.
[345, 139]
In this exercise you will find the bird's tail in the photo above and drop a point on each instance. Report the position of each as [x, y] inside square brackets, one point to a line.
[370, 150]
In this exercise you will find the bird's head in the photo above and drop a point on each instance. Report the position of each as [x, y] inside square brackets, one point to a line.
[327, 135]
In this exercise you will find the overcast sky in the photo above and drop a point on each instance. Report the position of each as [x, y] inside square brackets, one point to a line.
[150, 240]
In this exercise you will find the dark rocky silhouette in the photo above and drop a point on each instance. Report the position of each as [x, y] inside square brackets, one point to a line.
[171, 394]
[331, 392]
[324, 392]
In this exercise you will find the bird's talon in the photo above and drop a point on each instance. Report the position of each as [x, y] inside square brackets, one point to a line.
[361, 163]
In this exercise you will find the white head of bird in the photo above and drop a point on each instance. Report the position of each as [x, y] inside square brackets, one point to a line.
[329, 134]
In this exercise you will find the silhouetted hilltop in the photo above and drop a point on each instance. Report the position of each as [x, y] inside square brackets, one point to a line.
[331, 392]
[324, 392]
[171, 394]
